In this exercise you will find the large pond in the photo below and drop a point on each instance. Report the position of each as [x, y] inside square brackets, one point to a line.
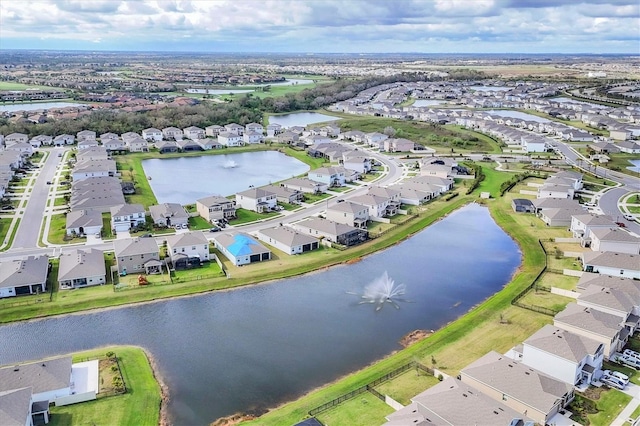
[518, 114]
[258, 346]
[300, 119]
[30, 106]
[635, 167]
[427, 102]
[184, 180]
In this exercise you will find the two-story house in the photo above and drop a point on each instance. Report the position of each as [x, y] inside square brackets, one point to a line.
[216, 207]
[127, 216]
[256, 199]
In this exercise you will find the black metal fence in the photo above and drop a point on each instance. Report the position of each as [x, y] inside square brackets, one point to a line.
[369, 387]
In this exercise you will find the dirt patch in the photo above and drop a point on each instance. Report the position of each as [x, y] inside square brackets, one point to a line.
[414, 337]
[108, 372]
[593, 393]
[354, 260]
[233, 419]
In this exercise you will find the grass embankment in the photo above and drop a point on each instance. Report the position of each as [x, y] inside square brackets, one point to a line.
[140, 405]
[444, 139]
[130, 166]
[493, 325]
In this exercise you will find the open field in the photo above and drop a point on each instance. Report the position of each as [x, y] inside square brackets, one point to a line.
[10, 85]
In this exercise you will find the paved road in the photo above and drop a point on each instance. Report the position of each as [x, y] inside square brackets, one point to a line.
[35, 209]
[29, 229]
[608, 202]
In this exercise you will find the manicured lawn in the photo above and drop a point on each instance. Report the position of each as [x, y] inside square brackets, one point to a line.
[245, 216]
[208, 270]
[140, 405]
[197, 223]
[545, 299]
[610, 404]
[10, 85]
[312, 198]
[59, 201]
[363, 409]
[58, 231]
[106, 226]
[407, 385]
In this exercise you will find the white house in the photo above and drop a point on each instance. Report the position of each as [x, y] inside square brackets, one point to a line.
[288, 240]
[252, 137]
[27, 275]
[614, 239]
[240, 248]
[152, 134]
[254, 127]
[193, 132]
[349, 213]
[612, 263]
[81, 268]
[230, 139]
[273, 129]
[188, 245]
[127, 216]
[330, 176]
[172, 133]
[84, 222]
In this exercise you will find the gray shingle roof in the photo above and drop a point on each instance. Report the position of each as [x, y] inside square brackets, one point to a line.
[126, 209]
[19, 272]
[442, 403]
[83, 218]
[15, 406]
[606, 297]
[592, 320]
[288, 236]
[135, 246]
[516, 380]
[611, 259]
[614, 234]
[81, 263]
[187, 239]
[325, 226]
[562, 343]
[42, 376]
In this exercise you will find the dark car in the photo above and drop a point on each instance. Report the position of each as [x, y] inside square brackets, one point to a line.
[146, 236]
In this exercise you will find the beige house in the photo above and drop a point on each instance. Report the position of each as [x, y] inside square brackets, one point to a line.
[349, 213]
[216, 207]
[135, 255]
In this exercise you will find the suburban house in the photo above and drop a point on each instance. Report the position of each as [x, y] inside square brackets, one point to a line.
[61, 140]
[398, 145]
[550, 190]
[188, 249]
[332, 231]
[112, 145]
[108, 136]
[288, 137]
[84, 135]
[84, 169]
[172, 133]
[616, 301]
[441, 405]
[522, 205]
[188, 145]
[583, 223]
[87, 143]
[193, 132]
[164, 147]
[519, 387]
[349, 213]
[96, 193]
[557, 203]
[559, 217]
[24, 148]
[40, 140]
[84, 222]
[127, 216]
[152, 135]
[92, 153]
[288, 240]
[563, 355]
[305, 185]
[252, 137]
[81, 268]
[169, 214]
[216, 207]
[603, 327]
[234, 128]
[614, 239]
[285, 195]
[273, 129]
[137, 144]
[14, 138]
[355, 160]
[375, 139]
[331, 176]
[17, 407]
[55, 381]
[254, 127]
[27, 275]
[230, 139]
[240, 248]
[611, 263]
[257, 200]
[416, 194]
[629, 147]
[137, 255]
[214, 130]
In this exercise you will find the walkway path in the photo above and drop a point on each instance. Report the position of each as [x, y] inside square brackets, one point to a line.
[633, 391]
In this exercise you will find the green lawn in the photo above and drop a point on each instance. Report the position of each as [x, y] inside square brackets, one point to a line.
[106, 226]
[197, 223]
[58, 231]
[610, 404]
[407, 385]
[362, 409]
[59, 201]
[312, 198]
[208, 270]
[10, 85]
[139, 406]
[246, 216]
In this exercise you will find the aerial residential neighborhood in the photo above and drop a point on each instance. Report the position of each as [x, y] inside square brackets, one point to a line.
[319, 213]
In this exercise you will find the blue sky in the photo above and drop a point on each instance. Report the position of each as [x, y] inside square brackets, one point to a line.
[350, 26]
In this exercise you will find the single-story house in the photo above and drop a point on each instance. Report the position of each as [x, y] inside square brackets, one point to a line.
[288, 240]
[522, 205]
[240, 248]
[84, 222]
[612, 263]
[27, 275]
[305, 185]
[81, 268]
[169, 214]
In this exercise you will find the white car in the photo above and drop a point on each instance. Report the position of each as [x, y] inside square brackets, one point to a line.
[630, 361]
[631, 353]
[628, 217]
[616, 374]
[612, 382]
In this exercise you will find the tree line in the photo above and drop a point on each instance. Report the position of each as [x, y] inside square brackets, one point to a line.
[244, 110]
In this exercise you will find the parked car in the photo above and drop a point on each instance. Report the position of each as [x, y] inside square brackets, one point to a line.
[628, 217]
[630, 361]
[618, 375]
[214, 229]
[631, 353]
[612, 382]
[185, 226]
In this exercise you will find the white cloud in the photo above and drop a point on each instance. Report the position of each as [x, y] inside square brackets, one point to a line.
[329, 25]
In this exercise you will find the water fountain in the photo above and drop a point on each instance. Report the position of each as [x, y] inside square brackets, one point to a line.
[383, 290]
[230, 164]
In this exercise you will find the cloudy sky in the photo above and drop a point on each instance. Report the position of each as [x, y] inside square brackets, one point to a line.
[353, 26]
